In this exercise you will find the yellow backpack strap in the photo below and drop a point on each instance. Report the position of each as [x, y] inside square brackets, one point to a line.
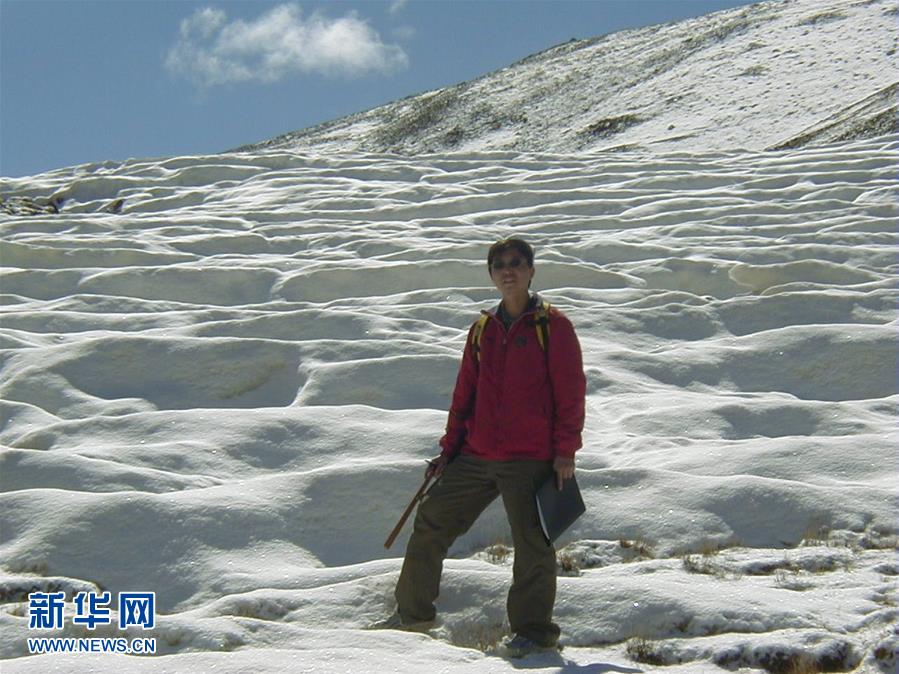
[542, 322]
[476, 335]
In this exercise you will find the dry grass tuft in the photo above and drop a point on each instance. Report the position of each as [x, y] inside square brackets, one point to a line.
[644, 651]
[480, 635]
[638, 548]
[498, 553]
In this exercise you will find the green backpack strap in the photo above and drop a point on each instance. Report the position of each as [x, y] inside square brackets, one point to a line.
[542, 323]
[476, 335]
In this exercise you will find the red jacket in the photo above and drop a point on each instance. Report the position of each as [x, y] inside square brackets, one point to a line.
[518, 401]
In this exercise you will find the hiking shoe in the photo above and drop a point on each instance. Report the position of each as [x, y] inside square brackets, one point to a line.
[396, 622]
[520, 646]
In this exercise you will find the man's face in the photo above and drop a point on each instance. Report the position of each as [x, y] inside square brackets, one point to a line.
[510, 272]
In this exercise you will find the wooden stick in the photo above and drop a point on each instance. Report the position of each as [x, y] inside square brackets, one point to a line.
[399, 525]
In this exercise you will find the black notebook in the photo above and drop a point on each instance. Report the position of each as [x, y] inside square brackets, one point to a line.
[559, 509]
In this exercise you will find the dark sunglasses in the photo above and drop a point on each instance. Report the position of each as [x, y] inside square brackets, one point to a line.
[514, 263]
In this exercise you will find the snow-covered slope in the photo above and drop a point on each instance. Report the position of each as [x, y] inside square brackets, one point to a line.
[772, 74]
[224, 394]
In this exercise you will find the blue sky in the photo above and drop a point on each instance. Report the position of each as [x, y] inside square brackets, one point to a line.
[91, 80]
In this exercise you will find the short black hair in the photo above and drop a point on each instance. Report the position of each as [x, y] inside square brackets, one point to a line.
[504, 245]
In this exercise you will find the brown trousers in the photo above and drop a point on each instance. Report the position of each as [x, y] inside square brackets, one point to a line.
[466, 487]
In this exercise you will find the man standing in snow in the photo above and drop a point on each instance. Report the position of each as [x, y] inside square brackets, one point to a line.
[516, 418]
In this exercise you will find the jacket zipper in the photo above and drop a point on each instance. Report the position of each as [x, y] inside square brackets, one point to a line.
[514, 323]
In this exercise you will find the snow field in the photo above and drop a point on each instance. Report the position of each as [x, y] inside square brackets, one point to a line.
[225, 394]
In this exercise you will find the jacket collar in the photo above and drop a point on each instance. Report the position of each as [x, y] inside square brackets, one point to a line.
[533, 304]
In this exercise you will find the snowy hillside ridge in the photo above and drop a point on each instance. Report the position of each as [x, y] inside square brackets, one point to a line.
[224, 393]
[771, 75]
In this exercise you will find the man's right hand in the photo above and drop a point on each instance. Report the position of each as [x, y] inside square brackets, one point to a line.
[436, 467]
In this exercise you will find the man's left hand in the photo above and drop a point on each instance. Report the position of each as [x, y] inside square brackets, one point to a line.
[564, 468]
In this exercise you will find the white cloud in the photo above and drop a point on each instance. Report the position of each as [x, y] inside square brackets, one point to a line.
[396, 6]
[204, 23]
[282, 42]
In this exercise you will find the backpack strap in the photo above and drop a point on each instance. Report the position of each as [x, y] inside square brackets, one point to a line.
[476, 335]
[542, 323]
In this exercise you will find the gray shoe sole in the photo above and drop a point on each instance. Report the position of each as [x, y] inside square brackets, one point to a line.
[516, 653]
[420, 627]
